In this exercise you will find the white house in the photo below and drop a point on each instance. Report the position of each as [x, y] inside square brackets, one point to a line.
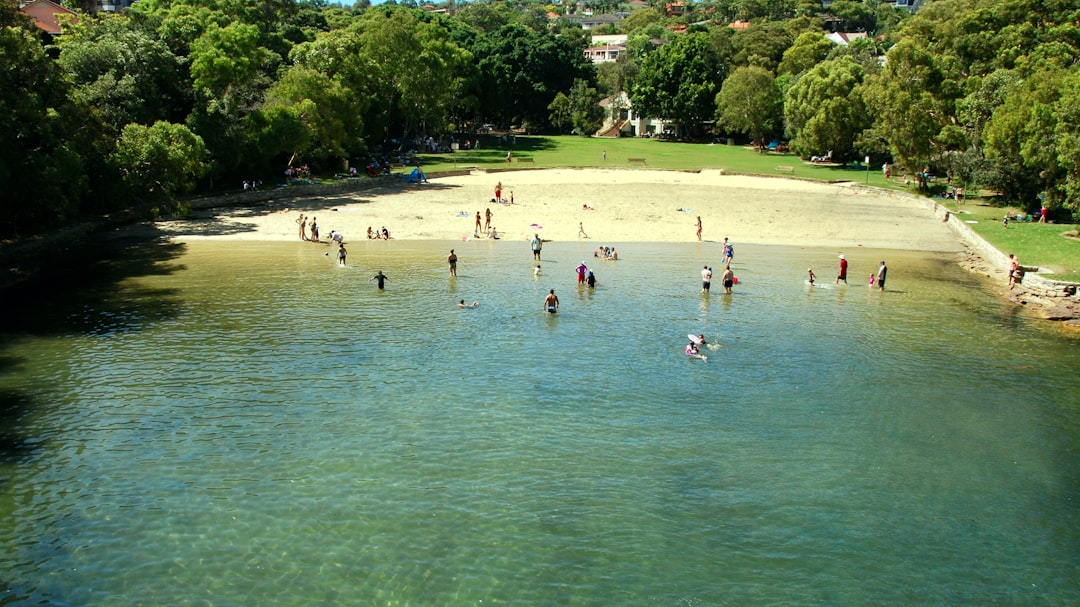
[620, 120]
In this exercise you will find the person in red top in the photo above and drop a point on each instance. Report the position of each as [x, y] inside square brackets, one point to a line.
[843, 271]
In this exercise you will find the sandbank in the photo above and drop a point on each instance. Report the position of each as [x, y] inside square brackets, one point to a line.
[612, 206]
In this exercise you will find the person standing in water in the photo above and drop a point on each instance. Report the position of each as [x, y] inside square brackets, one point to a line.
[537, 244]
[581, 270]
[452, 260]
[843, 271]
[810, 271]
[590, 280]
[382, 278]
[728, 278]
[341, 253]
[706, 279]
[551, 302]
[882, 271]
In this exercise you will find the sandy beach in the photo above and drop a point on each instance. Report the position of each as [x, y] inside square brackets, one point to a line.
[611, 206]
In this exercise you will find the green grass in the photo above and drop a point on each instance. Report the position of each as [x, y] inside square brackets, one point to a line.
[1035, 244]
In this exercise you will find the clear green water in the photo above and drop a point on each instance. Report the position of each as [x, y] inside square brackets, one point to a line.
[248, 424]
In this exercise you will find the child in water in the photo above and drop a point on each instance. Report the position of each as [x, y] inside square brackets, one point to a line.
[810, 271]
[872, 278]
[692, 350]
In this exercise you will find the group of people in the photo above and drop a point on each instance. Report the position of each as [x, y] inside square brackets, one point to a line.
[308, 226]
[727, 278]
[294, 174]
[877, 278]
[382, 234]
[606, 253]
[488, 229]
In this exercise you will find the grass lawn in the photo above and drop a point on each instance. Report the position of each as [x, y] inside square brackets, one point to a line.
[1034, 244]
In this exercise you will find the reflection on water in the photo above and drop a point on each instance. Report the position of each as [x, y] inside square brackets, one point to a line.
[289, 435]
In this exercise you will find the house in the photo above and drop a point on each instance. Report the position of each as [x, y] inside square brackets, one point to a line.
[844, 38]
[113, 6]
[588, 22]
[621, 121]
[47, 15]
[739, 25]
[606, 53]
[675, 9]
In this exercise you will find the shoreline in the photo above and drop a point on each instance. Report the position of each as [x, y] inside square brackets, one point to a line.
[629, 205]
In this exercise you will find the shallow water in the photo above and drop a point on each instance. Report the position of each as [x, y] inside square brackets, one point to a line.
[252, 425]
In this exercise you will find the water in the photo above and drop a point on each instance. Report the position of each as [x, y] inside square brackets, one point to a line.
[247, 424]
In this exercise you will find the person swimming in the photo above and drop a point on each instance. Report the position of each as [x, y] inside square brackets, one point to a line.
[692, 350]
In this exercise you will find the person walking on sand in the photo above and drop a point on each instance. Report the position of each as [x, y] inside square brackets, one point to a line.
[882, 271]
[551, 302]
[487, 219]
[301, 221]
[581, 230]
[698, 224]
[728, 278]
[843, 271]
[479, 223]
[451, 259]
[706, 279]
[341, 253]
[382, 278]
[537, 243]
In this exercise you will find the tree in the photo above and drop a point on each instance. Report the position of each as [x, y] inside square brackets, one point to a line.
[913, 100]
[521, 72]
[417, 71]
[825, 109]
[161, 160]
[679, 81]
[327, 112]
[586, 113]
[561, 110]
[809, 49]
[762, 45]
[126, 73]
[42, 175]
[750, 102]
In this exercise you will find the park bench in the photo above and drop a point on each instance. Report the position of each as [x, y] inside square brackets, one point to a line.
[783, 168]
[635, 160]
[522, 159]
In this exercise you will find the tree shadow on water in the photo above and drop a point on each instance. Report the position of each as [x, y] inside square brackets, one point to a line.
[73, 289]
